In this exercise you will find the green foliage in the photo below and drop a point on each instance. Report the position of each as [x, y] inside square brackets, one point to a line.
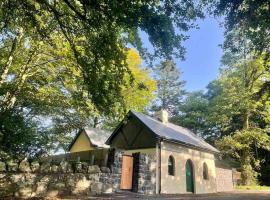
[39, 84]
[66, 61]
[20, 135]
[246, 30]
[252, 18]
[243, 145]
[193, 113]
[53, 91]
[237, 101]
[170, 87]
[233, 113]
[136, 96]
[239, 107]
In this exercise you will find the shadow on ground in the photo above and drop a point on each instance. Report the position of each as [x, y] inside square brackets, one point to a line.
[238, 195]
[219, 196]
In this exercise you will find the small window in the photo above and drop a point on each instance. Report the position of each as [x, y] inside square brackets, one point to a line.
[205, 171]
[171, 166]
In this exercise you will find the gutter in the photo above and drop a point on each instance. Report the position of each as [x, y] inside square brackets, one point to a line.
[158, 168]
[191, 146]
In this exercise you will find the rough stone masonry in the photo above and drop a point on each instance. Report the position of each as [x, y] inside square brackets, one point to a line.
[52, 179]
[144, 173]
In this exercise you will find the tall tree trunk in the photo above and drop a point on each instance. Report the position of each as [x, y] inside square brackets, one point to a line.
[247, 172]
[246, 120]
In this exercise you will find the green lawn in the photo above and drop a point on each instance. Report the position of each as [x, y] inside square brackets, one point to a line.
[253, 187]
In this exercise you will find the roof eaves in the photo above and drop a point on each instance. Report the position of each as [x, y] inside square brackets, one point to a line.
[190, 145]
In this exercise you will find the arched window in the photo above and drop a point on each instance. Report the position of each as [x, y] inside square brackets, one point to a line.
[171, 166]
[205, 172]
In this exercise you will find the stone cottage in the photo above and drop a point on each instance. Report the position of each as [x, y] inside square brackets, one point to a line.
[180, 161]
[185, 163]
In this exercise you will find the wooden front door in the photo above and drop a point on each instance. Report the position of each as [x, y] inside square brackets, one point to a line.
[189, 177]
[127, 171]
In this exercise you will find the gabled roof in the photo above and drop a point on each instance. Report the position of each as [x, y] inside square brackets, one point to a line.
[97, 137]
[170, 132]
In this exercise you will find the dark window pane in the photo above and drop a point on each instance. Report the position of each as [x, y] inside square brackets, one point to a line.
[205, 171]
[171, 166]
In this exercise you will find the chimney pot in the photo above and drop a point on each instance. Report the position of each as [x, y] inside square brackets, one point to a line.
[162, 116]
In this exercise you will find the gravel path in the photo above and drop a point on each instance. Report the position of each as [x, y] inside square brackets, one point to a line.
[237, 195]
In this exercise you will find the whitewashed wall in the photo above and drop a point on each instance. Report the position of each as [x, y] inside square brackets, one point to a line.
[177, 183]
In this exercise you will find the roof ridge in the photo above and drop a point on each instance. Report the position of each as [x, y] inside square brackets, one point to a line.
[92, 128]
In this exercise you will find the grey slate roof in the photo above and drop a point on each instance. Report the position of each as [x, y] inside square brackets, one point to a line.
[173, 132]
[97, 137]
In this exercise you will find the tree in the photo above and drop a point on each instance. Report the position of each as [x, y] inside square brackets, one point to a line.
[65, 62]
[193, 113]
[97, 34]
[54, 92]
[25, 138]
[137, 95]
[250, 19]
[243, 145]
[170, 87]
[238, 107]
[39, 85]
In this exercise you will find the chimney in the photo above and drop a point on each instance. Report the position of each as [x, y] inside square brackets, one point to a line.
[162, 116]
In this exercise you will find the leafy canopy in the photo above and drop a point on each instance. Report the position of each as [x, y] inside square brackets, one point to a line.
[252, 18]
[192, 113]
[68, 60]
[98, 32]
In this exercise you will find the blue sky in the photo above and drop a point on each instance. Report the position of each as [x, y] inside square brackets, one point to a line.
[202, 54]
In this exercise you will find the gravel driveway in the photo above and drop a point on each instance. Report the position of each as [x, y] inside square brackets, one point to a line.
[238, 195]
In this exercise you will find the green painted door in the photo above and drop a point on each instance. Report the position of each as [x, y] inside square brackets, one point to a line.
[189, 177]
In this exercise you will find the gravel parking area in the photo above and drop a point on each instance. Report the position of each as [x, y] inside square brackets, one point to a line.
[238, 195]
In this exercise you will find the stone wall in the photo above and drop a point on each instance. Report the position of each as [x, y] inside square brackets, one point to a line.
[36, 179]
[224, 179]
[144, 173]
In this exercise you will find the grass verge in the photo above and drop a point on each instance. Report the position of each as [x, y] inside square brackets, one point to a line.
[252, 187]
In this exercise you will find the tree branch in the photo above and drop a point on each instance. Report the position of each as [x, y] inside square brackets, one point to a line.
[5, 68]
